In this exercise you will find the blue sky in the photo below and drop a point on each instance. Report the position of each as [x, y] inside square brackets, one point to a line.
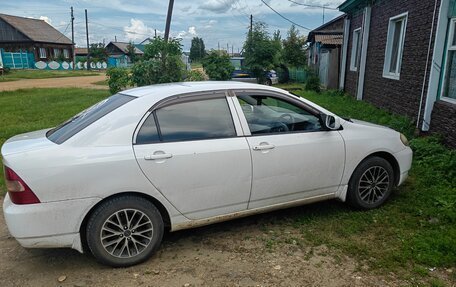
[216, 21]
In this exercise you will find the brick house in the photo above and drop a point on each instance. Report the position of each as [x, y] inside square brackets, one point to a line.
[398, 55]
[34, 36]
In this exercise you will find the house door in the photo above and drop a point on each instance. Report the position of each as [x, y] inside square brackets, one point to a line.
[323, 69]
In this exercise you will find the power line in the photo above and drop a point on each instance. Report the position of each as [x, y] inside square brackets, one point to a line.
[294, 23]
[314, 6]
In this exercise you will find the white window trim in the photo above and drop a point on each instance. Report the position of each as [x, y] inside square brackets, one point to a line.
[389, 43]
[449, 47]
[66, 53]
[42, 55]
[58, 52]
[354, 50]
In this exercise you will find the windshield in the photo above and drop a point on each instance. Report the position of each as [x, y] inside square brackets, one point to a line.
[85, 118]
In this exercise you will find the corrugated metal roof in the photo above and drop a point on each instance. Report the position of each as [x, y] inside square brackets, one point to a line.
[329, 39]
[36, 30]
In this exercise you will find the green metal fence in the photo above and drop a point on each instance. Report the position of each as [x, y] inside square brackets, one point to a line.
[298, 75]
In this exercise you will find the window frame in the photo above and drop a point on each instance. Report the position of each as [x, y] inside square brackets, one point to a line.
[449, 47]
[57, 52]
[311, 110]
[389, 46]
[66, 53]
[42, 53]
[355, 49]
[185, 98]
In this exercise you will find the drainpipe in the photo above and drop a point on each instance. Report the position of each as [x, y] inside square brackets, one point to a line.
[427, 65]
[343, 66]
[434, 77]
[362, 65]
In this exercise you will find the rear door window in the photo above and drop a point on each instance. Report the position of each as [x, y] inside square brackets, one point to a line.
[85, 118]
[185, 121]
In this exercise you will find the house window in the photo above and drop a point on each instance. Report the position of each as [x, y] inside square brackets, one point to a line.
[355, 51]
[66, 54]
[449, 81]
[395, 46]
[42, 53]
[56, 52]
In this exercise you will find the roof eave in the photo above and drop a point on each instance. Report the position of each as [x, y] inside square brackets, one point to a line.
[349, 4]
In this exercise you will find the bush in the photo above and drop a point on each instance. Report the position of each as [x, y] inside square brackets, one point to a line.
[217, 65]
[118, 79]
[196, 76]
[162, 63]
[313, 84]
[6, 70]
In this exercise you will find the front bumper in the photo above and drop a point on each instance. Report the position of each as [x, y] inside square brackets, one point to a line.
[404, 159]
[47, 225]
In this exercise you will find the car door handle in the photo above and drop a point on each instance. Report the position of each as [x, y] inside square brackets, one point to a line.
[264, 147]
[157, 156]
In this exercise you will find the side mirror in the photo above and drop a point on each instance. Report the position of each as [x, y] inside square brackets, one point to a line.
[331, 122]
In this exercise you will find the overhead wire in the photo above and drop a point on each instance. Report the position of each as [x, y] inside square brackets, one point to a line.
[291, 21]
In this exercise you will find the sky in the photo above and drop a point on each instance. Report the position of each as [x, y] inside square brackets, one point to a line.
[218, 22]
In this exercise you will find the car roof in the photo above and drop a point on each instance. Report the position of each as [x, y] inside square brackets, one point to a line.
[170, 89]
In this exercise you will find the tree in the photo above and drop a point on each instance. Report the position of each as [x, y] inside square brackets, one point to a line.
[217, 65]
[161, 63]
[260, 52]
[131, 52]
[98, 52]
[293, 49]
[197, 49]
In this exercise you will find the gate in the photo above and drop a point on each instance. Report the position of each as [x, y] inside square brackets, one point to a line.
[17, 60]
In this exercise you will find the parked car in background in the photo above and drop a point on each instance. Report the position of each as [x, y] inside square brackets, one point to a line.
[270, 77]
[176, 156]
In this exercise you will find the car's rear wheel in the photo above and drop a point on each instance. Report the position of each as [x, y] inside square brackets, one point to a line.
[371, 183]
[124, 231]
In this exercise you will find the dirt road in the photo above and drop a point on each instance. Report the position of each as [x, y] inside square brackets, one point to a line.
[76, 82]
[228, 254]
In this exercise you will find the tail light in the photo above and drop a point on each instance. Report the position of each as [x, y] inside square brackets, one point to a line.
[18, 190]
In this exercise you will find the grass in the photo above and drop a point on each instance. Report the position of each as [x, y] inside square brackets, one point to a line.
[416, 229]
[15, 75]
[196, 65]
[33, 109]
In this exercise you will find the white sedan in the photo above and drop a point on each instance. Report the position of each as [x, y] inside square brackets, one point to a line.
[182, 155]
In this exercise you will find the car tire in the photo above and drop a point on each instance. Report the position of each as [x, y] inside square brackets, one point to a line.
[124, 231]
[371, 183]
[268, 82]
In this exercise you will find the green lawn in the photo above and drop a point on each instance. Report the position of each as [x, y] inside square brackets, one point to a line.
[414, 231]
[15, 75]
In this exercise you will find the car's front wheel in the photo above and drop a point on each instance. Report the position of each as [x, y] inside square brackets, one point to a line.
[124, 231]
[371, 183]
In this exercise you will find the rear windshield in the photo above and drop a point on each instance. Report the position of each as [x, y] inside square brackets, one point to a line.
[85, 118]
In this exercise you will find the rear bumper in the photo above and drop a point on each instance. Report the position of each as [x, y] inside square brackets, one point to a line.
[47, 225]
[404, 159]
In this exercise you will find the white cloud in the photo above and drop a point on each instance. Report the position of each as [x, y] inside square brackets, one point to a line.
[46, 19]
[190, 33]
[217, 6]
[138, 31]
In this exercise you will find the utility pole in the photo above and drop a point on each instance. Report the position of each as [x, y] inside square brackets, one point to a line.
[115, 38]
[155, 31]
[323, 14]
[227, 48]
[232, 50]
[218, 46]
[72, 36]
[251, 23]
[168, 19]
[87, 37]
